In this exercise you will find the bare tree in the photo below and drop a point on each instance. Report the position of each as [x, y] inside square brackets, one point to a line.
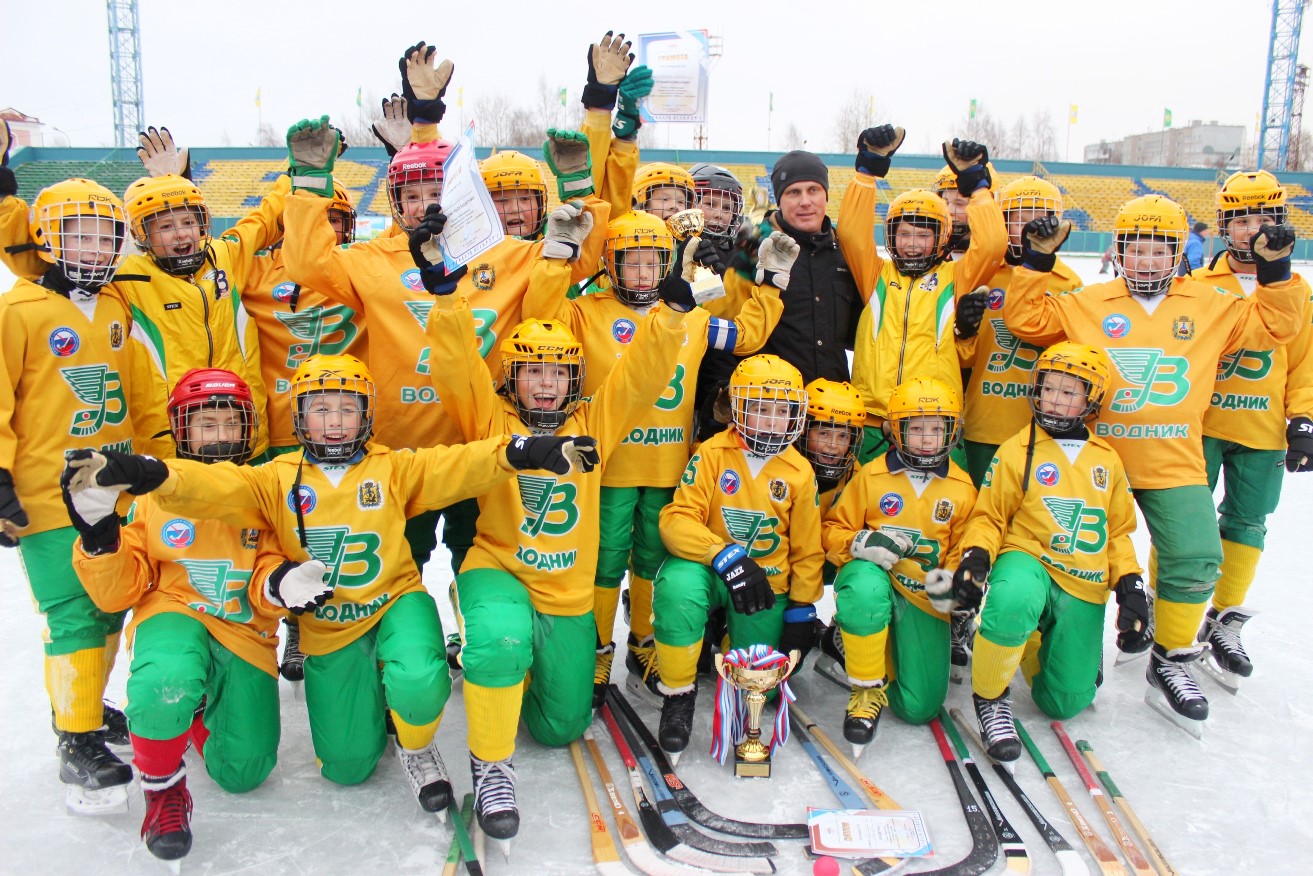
[265, 135]
[549, 110]
[355, 124]
[857, 113]
[793, 138]
[1043, 137]
[500, 122]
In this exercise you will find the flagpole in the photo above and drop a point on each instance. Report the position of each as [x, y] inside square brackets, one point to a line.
[769, 114]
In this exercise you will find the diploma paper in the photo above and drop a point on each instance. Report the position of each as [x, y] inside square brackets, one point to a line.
[868, 833]
[473, 226]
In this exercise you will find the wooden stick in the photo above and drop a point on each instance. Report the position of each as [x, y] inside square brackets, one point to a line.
[1155, 854]
[453, 854]
[1139, 863]
[605, 855]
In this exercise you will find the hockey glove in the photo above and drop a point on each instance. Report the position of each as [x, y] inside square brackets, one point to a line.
[122, 472]
[800, 633]
[1299, 445]
[159, 154]
[676, 290]
[749, 587]
[1272, 246]
[1040, 241]
[393, 130]
[1134, 633]
[92, 514]
[636, 85]
[12, 515]
[312, 148]
[423, 85]
[560, 454]
[775, 257]
[970, 311]
[571, 163]
[971, 577]
[568, 227]
[875, 146]
[708, 256]
[608, 62]
[426, 254]
[970, 161]
[939, 589]
[880, 547]
[299, 587]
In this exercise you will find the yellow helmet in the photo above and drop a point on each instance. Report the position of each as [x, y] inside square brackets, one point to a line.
[660, 175]
[833, 405]
[86, 252]
[1247, 192]
[627, 237]
[1085, 363]
[759, 381]
[945, 180]
[538, 342]
[345, 211]
[512, 171]
[1024, 199]
[149, 197]
[1149, 219]
[924, 209]
[340, 379]
[915, 399]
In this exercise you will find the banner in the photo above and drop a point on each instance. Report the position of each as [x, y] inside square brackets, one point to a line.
[680, 72]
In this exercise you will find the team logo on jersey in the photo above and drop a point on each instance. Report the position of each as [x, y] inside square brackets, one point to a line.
[284, 293]
[1010, 350]
[307, 497]
[891, 504]
[730, 482]
[327, 330]
[1116, 326]
[930, 283]
[250, 539]
[1183, 328]
[752, 529]
[779, 490]
[370, 495]
[1245, 364]
[623, 330]
[549, 506]
[178, 533]
[102, 389]
[412, 281]
[64, 342]
[116, 335]
[483, 277]
[219, 277]
[1084, 527]
[943, 511]
[1099, 475]
[1147, 370]
[222, 586]
[995, 299]
[1047, 474]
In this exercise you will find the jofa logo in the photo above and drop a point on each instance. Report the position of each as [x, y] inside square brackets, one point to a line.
[550, 507]
[752, 529]
[1155, 379]
[97, 386]
[1084, 528]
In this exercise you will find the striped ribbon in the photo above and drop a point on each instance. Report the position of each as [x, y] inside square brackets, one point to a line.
[729, 724]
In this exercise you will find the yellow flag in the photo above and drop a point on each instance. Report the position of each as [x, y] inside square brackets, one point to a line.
[257, 97]
[1071, 114]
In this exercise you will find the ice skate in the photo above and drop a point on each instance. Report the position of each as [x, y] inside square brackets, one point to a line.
[830, 660]
[602, 674]
[116, 727]
[997, 732]
[97, 780]
[167, 825]
[677, 722]
[494, 800]
[453, 655]
[293, 666]
[866, 702]
[960, 634]
[428, 778]
[1173, 691]
[1227, 662]
[640, 661]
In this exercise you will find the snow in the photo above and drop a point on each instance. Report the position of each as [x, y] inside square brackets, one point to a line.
[1235, 802]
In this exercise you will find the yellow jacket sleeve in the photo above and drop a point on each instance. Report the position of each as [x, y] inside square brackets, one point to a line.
[856, 233]
[989, 243]
[757, 319]
[844, 520]
[259, 229]
[683, 522]
[16, 240]
[549, 281]
[1030, 312]
[615, 161]
[311, 253]
[1299, 373]
[1272, 316]
[1121, 523]
[440, 476]
[806, 558]
[234, 494]
[458, 373]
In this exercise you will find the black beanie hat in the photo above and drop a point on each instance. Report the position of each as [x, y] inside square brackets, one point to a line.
[798, 166]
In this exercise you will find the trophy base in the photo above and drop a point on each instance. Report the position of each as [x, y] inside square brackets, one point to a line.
[751, 769]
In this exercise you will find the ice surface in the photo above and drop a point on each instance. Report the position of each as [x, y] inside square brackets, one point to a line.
[1236, 802]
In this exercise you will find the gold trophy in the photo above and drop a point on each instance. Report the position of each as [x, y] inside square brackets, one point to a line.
[706, 284]
[752, 756]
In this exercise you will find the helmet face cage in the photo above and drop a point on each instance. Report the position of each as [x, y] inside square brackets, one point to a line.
[410, 191]
[1147, 283]
[1024, 200]
[84, 239]
[627, 256]
[511, 173]
[1083, 363]
[1240, 249]
[900, 426]
[345, 212]
[663, 191]
[204, 428]
[155, 232]
[822, 461]
[915, 266]
[326, 408]
[714, 194]
[768, 418]
[544, 422]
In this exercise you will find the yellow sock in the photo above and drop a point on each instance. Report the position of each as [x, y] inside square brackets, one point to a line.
[111, 653]
[864, 655]
[678, 664]
[1239, 565]
[414, 736]
[640, 606]
[1030, 657]
[493, 716]
[1176, 624]
[605, 600]
[992, 667]
[1153, 569]
[76, 684]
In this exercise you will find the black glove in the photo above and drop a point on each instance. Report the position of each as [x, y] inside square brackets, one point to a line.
[970, 161]
[749, 588]
[8, 182]
[612, 54]
[11, 511]
[560, 454]
[800, 629]
[418, 110]
[1040, 241]
[1299, 445]
[1133, 630]
[875, 147]
[708, 256]
[970, 311]
[675, 291]
[1273, 246]
[92, 515]
[970, 578]
[424, 250]
[126, 472]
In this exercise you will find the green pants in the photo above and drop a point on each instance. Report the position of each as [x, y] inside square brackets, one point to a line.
[684, 595]
[344, 690]
[1183, 529]
[176, 663]
[458, 525]
[506, 637]
[978, 457]
[1023, 598]
[631, 533]
[866, 603]
[1252, 481]
[73, 623]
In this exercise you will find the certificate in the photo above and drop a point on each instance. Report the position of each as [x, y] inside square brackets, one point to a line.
[679, 63]
[473, 226]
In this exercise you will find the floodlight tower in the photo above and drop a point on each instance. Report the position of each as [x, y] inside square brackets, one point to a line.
[1279, 93]
[125, 71]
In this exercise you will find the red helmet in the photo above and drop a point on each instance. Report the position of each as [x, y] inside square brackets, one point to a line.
[415, 163]
[219, 391]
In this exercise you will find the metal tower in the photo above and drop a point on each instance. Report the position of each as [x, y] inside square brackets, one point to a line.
[125, 71]
[1279, 93]
[1295, 158]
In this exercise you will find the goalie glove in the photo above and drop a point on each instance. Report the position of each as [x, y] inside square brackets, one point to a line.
[160, 155]
[312, 148]
[880, 547]
[560, 454]
[393, 130]
[423, 85]
[299, 587]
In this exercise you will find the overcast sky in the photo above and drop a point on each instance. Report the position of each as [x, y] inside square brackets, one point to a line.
[1121, 61]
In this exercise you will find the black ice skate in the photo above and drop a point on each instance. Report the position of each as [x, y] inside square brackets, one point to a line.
[494, 800]
[960, 635]
[116, 727]
[997, 732]
[167, 825]
[1227, 662]
[862, 717]
[1173, 692]
[830, 661]
[602, 674]
[677, 722]
[97, 780]
[428, 778]
[641, 662]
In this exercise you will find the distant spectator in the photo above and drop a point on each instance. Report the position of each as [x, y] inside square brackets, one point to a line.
[1195, 250]
[1107, 260]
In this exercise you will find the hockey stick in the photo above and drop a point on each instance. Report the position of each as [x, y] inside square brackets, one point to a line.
[1139, 863]
[1072, 864]
[453, 854]
[1155, 853]
[1014, 850]
[984, 844]
[605, 856]
[657, 830]
[1103, 856]
[686, 799]
[754, 856]
[462, 838]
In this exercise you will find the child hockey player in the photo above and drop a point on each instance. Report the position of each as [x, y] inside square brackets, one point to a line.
[831, 436]
[895, 533]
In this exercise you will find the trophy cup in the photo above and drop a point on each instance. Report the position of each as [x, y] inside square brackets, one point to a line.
[751, 756]
[706, 284]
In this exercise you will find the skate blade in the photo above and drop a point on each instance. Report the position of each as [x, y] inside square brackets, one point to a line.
[101, 801]
[1123, 657]
[1155, 700]
[642, 693]
[505, 846]
[174, 867]
[857, 750]
[832, 670]
[296, 690]
[1228, 681]
[674, 757]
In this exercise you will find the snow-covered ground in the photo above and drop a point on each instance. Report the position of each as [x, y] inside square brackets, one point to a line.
[1235, 802]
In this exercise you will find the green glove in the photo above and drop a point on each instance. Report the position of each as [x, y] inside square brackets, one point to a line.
[312, 148]
[571, 163]
[636, 85]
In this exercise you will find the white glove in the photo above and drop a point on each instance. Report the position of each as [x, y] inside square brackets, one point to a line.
[94, 504]
[568, 227]
[298, 587]
[160, 155]
[939, 587]
[880, 547]
[775, 258]
[395, 127]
